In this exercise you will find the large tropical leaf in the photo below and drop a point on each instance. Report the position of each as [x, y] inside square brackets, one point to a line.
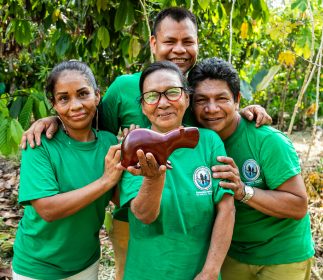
[16, 131]
[62, 44]
[5, 138]
[245, 90]
[257, 79]
[268, 78]
[204, 3]
[15, 108]
[121, 15]
[3, 109]
[25, 115]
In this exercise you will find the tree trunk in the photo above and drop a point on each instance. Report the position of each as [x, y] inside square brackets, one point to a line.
[281, 122]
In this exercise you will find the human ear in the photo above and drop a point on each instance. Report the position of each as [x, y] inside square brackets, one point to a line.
[143, 109]
[237, 103]
[97, 97]
[187, 100]
[153, 42]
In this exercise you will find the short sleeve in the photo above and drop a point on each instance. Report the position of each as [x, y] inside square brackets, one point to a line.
[108, 109]
[278, 159]
[129, 187]
[37, 178]
[218, 151]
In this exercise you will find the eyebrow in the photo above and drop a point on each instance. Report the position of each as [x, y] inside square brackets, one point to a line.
[173, 38]
[206, 95]
[81, 89]
[62, 92]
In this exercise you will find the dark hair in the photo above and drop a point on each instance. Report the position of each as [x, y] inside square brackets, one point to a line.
[160, 65]
[215, 69]
[71, 65]
[175, 13]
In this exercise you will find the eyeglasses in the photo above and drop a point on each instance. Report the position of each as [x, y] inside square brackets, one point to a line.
[172, 94]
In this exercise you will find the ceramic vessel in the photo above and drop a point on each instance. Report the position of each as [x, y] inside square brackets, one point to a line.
[159, 144]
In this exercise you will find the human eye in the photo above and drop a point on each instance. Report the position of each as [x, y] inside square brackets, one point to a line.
[151, 97]
[83, 93]
[63, 98]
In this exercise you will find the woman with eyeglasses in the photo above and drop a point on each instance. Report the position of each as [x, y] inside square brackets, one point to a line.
[65, 184]
[181, 221]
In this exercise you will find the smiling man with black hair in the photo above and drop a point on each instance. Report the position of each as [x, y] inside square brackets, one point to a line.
[272, 234]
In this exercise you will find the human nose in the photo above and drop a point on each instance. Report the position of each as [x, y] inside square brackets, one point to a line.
[76, 104]
[163, 102]
[212, 107]
[179, 48]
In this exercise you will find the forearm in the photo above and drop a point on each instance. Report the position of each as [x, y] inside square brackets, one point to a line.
[221, 239]
[279, 204]
[145, 206]
[66, 204]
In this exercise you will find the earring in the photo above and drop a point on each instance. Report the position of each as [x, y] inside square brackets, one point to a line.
[97, 122]
[65, 130]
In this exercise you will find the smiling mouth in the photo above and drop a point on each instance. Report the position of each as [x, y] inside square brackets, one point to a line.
[166, 115]
[213, 120]
[178, 60]
[78, 117]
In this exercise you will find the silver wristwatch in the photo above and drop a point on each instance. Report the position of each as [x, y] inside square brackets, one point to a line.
[249, 192]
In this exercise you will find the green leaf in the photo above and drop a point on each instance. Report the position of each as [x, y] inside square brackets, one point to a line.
[145, 33]
[55, 36]
[130, 48]
[135, 47]
[105, 41]
[11, 27]
[47, 22]
[256, 5]
[121, 16]
[125, 46]
[220, 10]
[300, 4]
[268, 78]
[256, 53]
[101, 32]
[257, 79]
[26, 31]
[15, 108]
[25, 115]
[130, 14]
[16, 131]
[204, 4]
[42, 109]
[102, 4]
[245, 90]
[5, 138]
[108, 221]
[19, 35]
[4, 109]
[62, 44]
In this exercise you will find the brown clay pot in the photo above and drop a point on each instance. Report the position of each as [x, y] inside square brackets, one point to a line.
[159, 144]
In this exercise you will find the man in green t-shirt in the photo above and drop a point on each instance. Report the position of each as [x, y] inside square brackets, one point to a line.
[174, 39]
[272, 235]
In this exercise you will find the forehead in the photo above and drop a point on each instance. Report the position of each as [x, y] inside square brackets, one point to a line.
[169, 27]
[161, 80]
[72, 77]
[212, 88]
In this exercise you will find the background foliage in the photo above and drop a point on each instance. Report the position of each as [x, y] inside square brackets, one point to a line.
[113, 38]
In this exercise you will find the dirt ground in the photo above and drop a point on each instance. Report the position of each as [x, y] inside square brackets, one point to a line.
[11, 212]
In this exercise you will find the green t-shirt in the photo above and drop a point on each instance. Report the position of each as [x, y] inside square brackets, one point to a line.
[176, 244]
[266, 158]
[120, 108]
[67, 246]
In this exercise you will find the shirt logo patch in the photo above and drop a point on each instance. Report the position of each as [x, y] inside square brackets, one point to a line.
[251, 170]
[202, 178]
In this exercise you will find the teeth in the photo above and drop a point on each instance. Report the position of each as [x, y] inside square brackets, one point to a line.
[178, 60]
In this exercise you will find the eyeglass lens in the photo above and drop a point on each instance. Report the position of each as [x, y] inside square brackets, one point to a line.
[172, 94]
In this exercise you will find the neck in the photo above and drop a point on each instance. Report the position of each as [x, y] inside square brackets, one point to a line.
[81, 135]
[230, 128]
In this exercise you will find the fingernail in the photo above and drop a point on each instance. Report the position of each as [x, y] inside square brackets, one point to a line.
[220, 158]
[215, 174]
[49, 134]
[37, 143]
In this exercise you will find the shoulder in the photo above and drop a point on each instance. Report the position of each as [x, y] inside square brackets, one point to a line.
[128, 78]
[209, 138]
[267, 133]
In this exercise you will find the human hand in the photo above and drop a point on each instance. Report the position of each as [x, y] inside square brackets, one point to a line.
[230, 172]
[148, 166]
[126, 130]
[49, 125]
[251, 111]
[112, 173]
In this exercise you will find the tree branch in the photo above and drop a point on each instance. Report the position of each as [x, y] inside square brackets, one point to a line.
[284, 98]
[192, 4]
[231, 31]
